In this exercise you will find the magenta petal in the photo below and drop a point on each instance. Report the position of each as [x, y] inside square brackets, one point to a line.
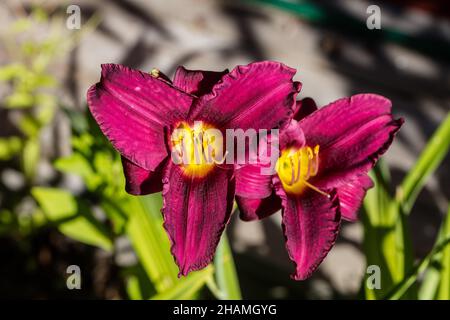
[196, 82]
[352, 134]
[336, 120]
[304, 107]
[195, 214]
[351, 196]
[132, 108]
[250, 183]
[260, 95]
[257, 209]
[292, 136]
[139, 181]
[311, 223]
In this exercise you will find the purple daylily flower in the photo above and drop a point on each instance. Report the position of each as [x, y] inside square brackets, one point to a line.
[138, 112]
[321, 174]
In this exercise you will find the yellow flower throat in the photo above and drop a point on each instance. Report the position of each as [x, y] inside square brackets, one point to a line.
[296, 166]
[197, 148]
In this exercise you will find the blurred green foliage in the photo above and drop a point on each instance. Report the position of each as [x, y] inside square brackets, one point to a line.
[387, 239]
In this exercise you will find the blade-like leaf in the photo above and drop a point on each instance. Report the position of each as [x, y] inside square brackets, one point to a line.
[138, 285]
[430, 283]
[442, 245]
[186, 287]
[430, 158]
[386, 237]
[226, 277]
[149, 240]
[432, 279]
[444, 286]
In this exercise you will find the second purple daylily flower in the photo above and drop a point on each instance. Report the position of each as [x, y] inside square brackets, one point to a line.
[138, 112]
[321, 174]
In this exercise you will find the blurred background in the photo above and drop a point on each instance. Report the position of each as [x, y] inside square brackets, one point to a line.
[61, 188]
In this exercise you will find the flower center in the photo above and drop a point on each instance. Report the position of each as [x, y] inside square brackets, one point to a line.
[196, 148]
[296, 166]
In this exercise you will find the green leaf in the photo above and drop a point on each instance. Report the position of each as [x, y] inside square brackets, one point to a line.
[75, 164]
[21, 25]
[30, 157]
[29, 126]
[44, 81]
[386, 237]
[116, 215]
[61, 207]
[138, 285]
[83, 143]
[9, 147]
[11, 71]
[442, 245]
[444, 287]
[57, 204]
[79, 165]
[150, 241]
[226, 277]
[19, 100]
[379, 226]
[46, 109]
[133, 288]
[39, 14]
[430, 283]
[430, 158]
[82, 229]
[187, 286]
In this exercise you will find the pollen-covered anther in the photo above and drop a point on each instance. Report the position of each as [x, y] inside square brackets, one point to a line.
[296, 166]
[197, 147]
[155, 73]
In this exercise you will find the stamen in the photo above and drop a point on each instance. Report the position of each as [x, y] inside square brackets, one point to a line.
[315, 161]
[317, 189]
[155, 73]
[296, 166]
[308, 171]
[196, 138]
[223, 159]
[293, 178]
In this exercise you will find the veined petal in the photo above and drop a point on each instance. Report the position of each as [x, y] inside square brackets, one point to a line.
[195, 214]
[310, 224]
[260, 95]
[331, 123]
[139, 181]
[196, 82]
[352, 134]
[304, 107]
[351, 196]
[251, 183]
[292, 136]
[132, 108]
[257, 209]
